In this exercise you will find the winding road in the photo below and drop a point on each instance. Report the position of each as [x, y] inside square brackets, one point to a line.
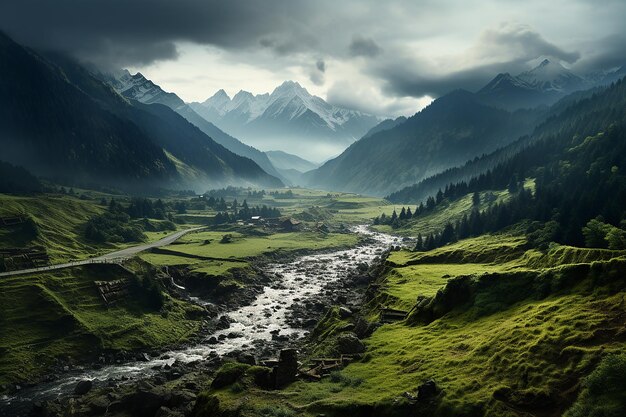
[109, 257]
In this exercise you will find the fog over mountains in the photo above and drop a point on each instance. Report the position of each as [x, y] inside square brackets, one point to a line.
[221, 141]
[542, 85]
[287, 119]
[60, 120]
[456, 128]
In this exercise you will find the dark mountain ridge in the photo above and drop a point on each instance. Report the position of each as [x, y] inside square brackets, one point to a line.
[60, 121]
[137, 87]
[452, 129]
[581, 113]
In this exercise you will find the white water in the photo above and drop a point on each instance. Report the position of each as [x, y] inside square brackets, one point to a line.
[302, 278]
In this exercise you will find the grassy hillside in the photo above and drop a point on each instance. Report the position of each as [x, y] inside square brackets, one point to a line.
[60, 316]
[60, 222]
[60, 232]
[496, 332]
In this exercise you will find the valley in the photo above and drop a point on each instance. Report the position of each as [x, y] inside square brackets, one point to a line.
[312, 209]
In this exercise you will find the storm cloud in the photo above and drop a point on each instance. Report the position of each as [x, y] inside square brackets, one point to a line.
[508, 48]
[143, 31]
[393, 53]
[361, 46]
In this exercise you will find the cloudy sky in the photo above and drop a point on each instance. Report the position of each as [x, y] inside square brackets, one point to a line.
[385, 57]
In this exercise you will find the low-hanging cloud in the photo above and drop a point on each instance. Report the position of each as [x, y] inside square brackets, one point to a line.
[505, 49]
[361, 46]
[316, 75]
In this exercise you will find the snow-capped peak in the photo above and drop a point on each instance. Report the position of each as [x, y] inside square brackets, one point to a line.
[288, 102]
[551, 76]
[217, 100]
[138, 87]
[289, 88]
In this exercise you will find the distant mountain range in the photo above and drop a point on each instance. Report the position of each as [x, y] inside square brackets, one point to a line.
[286, 119]
[455, 128]
[60, 121]
[76, 125]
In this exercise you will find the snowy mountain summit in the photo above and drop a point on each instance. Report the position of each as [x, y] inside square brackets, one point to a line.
[286, 119]
[138, 87]
[542, 85]
[552, 76]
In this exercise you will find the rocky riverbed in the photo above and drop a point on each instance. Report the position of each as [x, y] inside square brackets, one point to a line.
[281, 315]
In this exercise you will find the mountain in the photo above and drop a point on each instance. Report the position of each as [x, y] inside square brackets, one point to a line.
[285, 118]
[53, 128]
[451, 130]
[137, 87]
[385, 125]
[60, 121]
[574, 160]
[552, 76]
[291, 166]
[284, 160]
[543, 85]
[576, 116]
[189, 147]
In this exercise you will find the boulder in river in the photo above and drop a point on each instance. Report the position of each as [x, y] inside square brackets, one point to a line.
[246, 358]
[83, 387]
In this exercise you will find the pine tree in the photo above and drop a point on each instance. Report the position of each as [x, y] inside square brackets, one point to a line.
[476, 198]
[419, 245]
[439, 197]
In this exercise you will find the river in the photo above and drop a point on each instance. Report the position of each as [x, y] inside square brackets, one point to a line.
[254, 324]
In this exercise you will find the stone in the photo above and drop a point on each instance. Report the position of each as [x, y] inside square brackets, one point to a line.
[223, 322]
[427, 390]
[83, 387]
[286, 369]
[181, 398]
[166, 412]
[348, 344]
[363, 328]
[344, 312]
[246, 358]
[99, 405]
[144, 403]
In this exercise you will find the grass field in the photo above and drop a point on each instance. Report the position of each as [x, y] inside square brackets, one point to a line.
[535, 325]
[246, 246]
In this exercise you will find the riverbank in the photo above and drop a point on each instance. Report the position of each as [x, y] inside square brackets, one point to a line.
[484, 326]
[278, 318]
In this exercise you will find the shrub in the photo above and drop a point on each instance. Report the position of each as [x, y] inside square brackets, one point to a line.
[228, 374]
[603, 390]
[150, 290]
[113, 227]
